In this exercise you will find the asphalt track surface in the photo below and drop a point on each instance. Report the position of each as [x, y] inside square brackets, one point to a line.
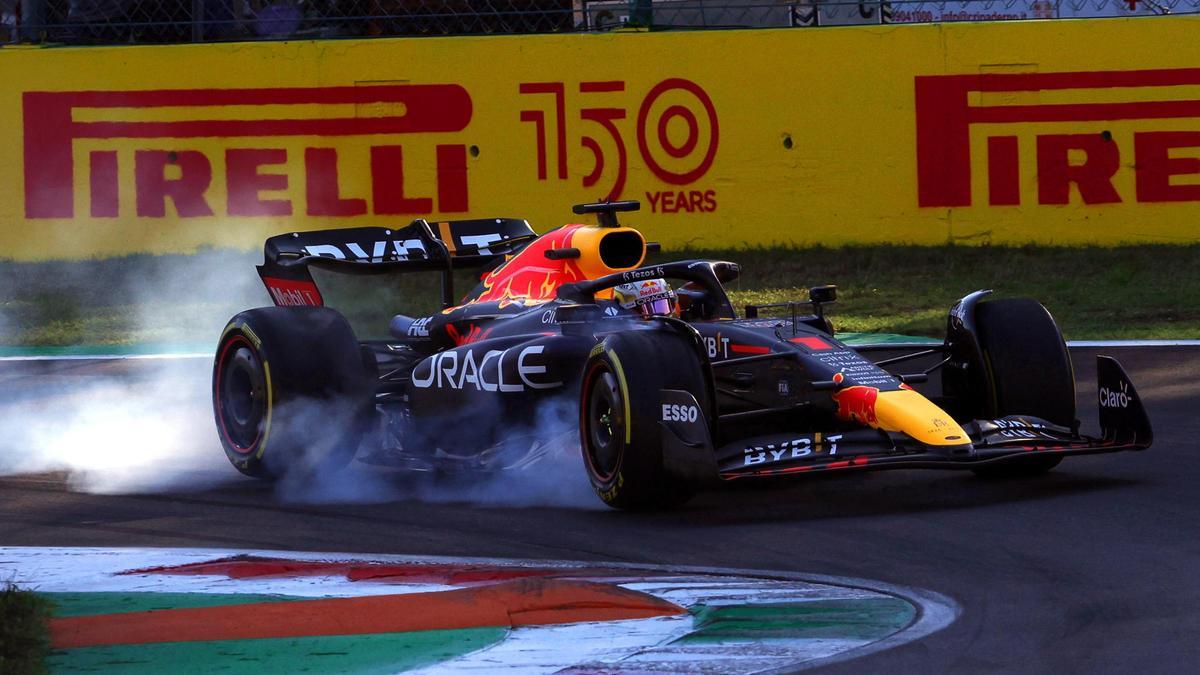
[1092, 568]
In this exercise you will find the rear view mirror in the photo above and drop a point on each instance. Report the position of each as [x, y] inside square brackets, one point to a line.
[820, 294]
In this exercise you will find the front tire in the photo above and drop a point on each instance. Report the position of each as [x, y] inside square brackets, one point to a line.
[291, 391]
[620, 430]
[1029, 369]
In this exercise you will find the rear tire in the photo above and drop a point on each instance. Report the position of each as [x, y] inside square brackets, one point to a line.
[292, 390]
[620, 429]
[1029, 370]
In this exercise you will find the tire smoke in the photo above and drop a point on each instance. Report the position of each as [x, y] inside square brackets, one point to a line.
[543, 469]
[144, 431]
[120, 425]
[146, 425]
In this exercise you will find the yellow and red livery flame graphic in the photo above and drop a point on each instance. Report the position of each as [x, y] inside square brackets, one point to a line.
[530, 275]
[858, 403]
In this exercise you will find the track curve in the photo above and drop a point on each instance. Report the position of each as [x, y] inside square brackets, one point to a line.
[1091, 568]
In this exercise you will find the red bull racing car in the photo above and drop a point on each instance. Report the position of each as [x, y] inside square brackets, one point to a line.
[669, 387]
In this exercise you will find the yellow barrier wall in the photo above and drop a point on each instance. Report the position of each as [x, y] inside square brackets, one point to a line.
[1058, 132]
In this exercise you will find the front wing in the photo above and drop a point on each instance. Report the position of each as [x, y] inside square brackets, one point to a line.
[1124, 425]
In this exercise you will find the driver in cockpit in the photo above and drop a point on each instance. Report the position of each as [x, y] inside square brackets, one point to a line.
[652, 297]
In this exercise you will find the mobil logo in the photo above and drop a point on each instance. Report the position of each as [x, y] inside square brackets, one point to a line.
[1075, 146]
[174, 159]
[857, 403]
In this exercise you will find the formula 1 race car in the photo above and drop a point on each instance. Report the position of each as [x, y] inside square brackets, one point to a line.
[671, 388]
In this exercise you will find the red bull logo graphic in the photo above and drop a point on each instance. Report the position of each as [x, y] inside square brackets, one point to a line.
[858, 403]
[532, 276]
[653, 288]
[474, 334]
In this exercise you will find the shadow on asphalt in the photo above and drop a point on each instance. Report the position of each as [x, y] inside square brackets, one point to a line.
[874, 495]
[796, 500]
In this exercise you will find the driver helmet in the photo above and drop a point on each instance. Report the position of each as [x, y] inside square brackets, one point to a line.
[652, 297]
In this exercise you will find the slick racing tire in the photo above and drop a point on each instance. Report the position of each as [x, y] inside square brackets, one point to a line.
[1029, 370]
[292, 391]
[620, 429]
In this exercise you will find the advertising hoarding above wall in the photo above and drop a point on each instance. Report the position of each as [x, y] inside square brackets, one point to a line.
[920, 11]
[996, 133]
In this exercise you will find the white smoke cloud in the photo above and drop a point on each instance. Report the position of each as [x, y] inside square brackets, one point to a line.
[142, 425]
[194, 296]
[147, 425]
[140, 433]
[555, 478]
[552, 474]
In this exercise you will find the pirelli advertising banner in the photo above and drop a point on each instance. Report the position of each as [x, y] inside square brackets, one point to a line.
[1056, 132]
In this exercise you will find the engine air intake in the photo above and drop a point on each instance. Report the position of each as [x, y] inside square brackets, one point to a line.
[622, 249]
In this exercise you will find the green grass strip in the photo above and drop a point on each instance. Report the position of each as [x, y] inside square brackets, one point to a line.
[132, 349]
[885, 338]
[1126, 292]
[1095, 293]
[24, 637]
[866, 619]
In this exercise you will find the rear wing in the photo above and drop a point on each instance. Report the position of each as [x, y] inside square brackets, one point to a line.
[419, 246]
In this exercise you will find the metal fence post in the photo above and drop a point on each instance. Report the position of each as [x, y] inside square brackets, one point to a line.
[641, 13]
[197, 20]
[33, 20]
